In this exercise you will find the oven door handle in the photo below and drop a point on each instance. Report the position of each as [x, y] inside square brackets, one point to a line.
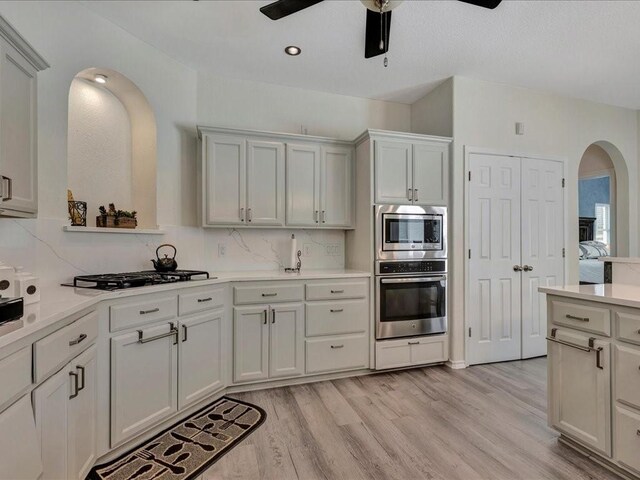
[413, 279]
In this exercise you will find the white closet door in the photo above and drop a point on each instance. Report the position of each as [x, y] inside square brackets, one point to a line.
[542, 242]
[494, 241]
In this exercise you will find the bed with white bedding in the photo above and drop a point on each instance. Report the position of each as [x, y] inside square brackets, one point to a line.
[591, 271]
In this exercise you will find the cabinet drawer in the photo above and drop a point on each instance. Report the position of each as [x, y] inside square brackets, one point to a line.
[329, 291]
[337, 353]
[336, 318]
[627, 439]
[582, 317]
[142, 312]
[628, 375]
[628, 327]
[411, 351]
[57, 348]
[267, 293]
[200, 300]
[15, 374]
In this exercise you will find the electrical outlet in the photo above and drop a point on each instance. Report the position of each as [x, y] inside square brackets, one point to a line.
[333, 249]
[222, 249]
[307, 250]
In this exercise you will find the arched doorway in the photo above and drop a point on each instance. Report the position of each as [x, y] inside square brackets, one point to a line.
[602, 209]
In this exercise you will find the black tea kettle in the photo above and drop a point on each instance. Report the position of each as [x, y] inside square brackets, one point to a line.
[165, 264]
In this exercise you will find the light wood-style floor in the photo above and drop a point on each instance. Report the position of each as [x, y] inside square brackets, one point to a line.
[484, 422]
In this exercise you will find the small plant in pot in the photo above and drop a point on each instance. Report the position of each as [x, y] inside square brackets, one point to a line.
[116, 218]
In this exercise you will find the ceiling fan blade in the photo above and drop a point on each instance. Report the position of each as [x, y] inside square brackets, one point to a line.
[373, 33]
[282, 8]
[491, 4]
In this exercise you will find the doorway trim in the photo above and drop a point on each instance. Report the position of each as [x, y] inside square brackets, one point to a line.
[469, 150]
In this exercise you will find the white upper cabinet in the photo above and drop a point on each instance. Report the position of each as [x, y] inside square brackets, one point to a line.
[430, 174]
[411, 172]
[266, 179]
[336, 192]
[224, 175]
[393, 170]
[19, 64]
[265, 183]
[303, 185]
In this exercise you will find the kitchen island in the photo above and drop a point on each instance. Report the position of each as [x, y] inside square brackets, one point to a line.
[593, 377]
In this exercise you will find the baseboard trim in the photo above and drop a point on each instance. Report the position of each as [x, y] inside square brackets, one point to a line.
[456, 365]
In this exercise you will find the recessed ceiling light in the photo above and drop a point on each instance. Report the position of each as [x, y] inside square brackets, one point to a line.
[100, 78]
[292, 50]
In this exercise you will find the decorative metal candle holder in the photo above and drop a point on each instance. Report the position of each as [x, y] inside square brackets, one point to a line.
[78, 213]
[298, 264]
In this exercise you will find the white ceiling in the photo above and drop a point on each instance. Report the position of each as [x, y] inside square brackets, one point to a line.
[586, 49]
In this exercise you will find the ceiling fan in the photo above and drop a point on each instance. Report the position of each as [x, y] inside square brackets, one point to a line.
[378, 24]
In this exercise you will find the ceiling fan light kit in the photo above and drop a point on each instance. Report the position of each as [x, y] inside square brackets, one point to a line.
[378, 19]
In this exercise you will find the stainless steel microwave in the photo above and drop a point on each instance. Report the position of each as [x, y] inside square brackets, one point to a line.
[410, 232]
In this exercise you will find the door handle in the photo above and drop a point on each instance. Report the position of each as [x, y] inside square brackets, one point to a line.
[81, 368]
[315, 216]
[172, 331]
[10, 185]
[242, 214]
[265, 316]
[249, 215]
[415, 194]
[273, 315]
[324, 216]
[517, 268]
[527, 268]
[74, 375]
[410, 194]
[184, 333]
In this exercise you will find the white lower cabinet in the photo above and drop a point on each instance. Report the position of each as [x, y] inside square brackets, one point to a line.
[66, 415]
[580, 389]
[627, 439]
[19, 452]
[409, 352]
[144, 379]
[200, 362]
[268, 342]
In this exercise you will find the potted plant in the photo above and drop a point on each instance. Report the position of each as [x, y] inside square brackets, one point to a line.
[113, 218]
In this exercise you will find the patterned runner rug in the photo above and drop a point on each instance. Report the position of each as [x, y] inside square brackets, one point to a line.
[188, 448]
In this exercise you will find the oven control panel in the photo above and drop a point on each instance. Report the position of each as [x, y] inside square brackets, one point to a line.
[415, 266]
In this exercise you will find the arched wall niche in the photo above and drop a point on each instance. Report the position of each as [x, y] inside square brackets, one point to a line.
[620, 179]
[112, 145]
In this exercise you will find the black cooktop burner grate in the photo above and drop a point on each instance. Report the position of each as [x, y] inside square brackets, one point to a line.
[116, 281]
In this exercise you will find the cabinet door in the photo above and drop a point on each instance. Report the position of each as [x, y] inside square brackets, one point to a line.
[286, 347]
[82, 416]
[19, 449]
[200, 357]
[265, 183]
[250, 343]
[303, 185]
[50, 404]
[224, 180]
[18, 144]
[143, 381]
[393, 172]
[580, 390]
[336, 190]
[430, 174]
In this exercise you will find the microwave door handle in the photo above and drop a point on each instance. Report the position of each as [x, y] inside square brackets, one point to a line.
[413, 280]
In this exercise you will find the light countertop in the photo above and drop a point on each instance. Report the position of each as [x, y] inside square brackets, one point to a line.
[612, 293]
[59, 302]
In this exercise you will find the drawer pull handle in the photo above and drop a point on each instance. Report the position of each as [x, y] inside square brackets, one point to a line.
[153, 310]
[336, 310]
[74, 375]
[269, 294]
[202, 300]
[337, 291]
[337, 346]
[76, 341]
[573, 317]
[172, 332]
[414, 343]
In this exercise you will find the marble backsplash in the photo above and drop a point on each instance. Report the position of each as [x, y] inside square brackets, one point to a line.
[43, 248]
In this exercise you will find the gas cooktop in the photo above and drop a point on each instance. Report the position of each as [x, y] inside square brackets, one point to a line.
[117, 281]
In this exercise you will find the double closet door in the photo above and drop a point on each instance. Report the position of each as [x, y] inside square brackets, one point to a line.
[515, 225]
